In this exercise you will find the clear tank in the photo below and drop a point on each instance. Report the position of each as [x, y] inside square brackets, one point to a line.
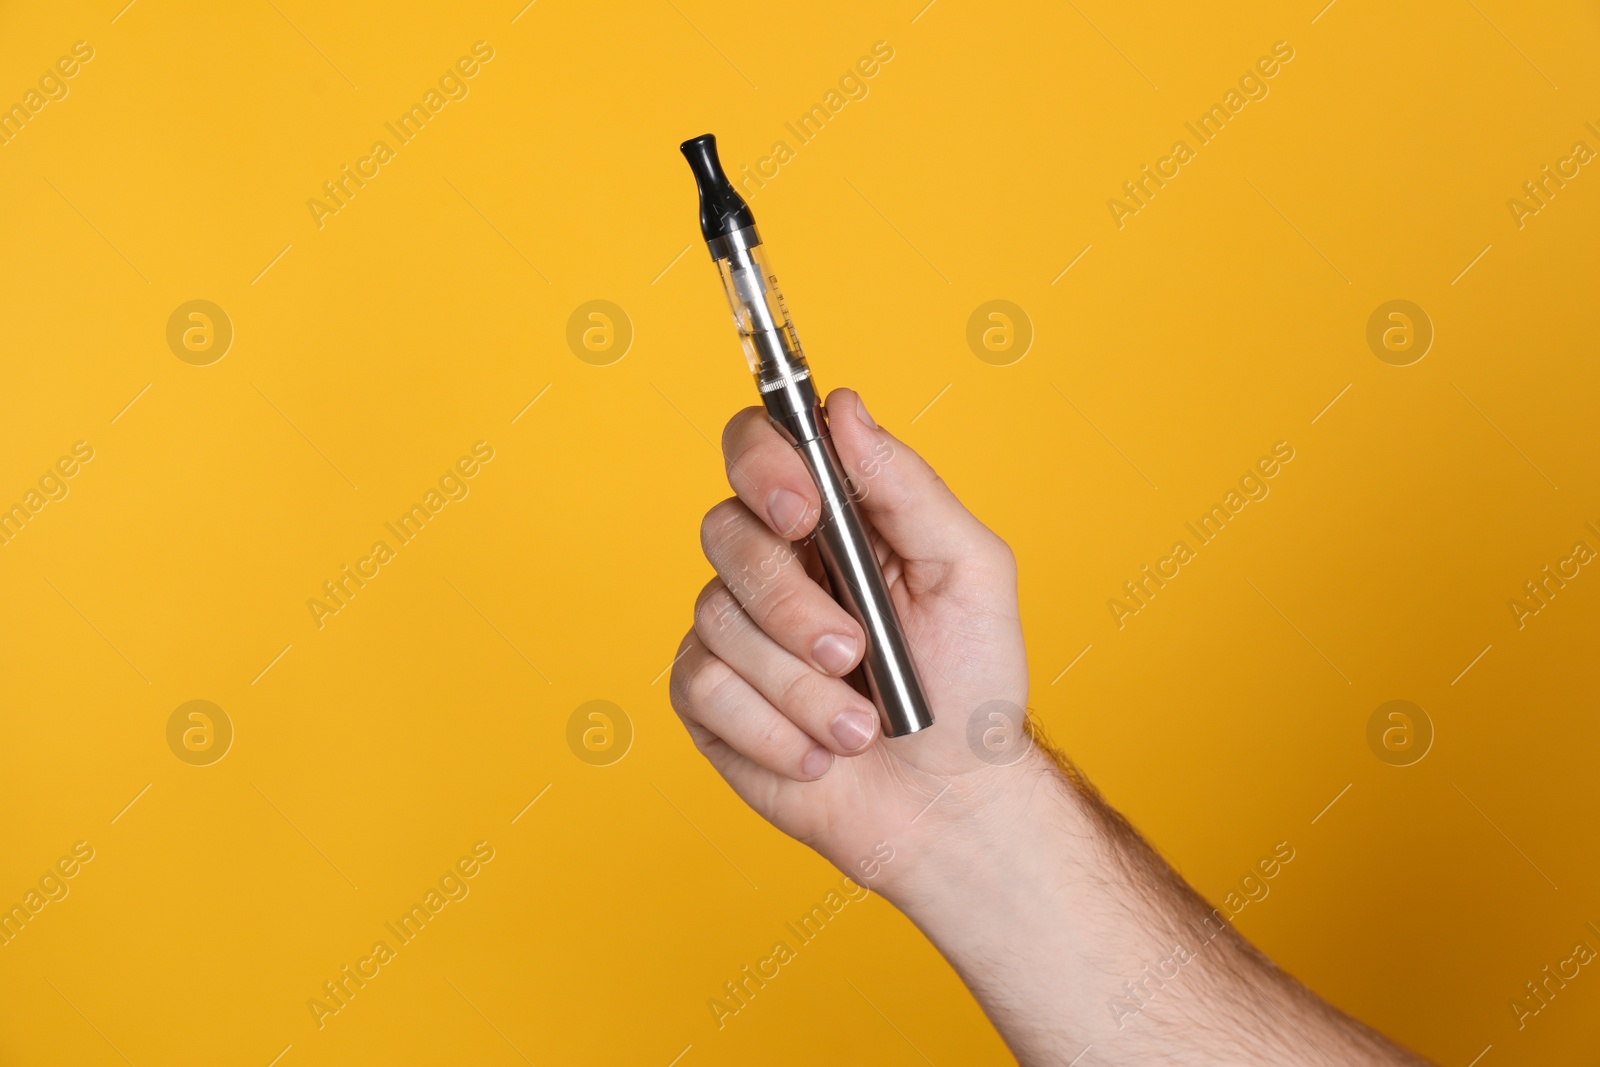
[771, 345]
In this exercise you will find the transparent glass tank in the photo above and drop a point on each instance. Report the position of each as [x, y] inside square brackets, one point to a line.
[771, 346]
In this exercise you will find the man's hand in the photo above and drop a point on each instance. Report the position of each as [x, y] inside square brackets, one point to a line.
[1080, 942]
[761, 685]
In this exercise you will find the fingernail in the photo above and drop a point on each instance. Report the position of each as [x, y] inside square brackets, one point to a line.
[834, 653]
[817, 762]
[852, 729]
[786, 508]
[861, 412]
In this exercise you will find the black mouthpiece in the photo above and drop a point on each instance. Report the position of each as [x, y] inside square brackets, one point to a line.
[722, 209]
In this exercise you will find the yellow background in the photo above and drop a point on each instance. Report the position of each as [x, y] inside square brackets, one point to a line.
[429, 312]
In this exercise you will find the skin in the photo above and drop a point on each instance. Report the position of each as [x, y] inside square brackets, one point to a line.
[1079, 941]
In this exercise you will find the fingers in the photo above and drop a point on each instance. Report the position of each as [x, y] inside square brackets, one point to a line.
[908, 504]
[768, 475]
[765, 575]
[720, 707]
[828, 709]
[904, 499]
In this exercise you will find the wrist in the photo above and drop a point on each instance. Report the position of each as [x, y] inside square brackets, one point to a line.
[1033, 895]
[994, 838]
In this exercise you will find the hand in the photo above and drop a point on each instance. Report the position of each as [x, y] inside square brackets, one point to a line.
[1046, 901]
[760, 683]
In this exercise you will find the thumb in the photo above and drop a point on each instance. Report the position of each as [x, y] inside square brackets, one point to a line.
[905, 500]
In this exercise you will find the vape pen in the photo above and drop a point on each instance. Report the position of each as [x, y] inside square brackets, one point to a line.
[792, 401]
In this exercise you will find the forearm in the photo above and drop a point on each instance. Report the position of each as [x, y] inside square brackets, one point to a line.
[1072, 933]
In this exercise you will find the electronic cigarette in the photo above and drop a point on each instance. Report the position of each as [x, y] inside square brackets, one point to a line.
[793, 403]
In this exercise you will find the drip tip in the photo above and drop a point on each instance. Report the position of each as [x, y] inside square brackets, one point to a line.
[722, 209]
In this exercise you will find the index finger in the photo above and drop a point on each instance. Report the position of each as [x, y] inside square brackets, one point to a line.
[769, 476]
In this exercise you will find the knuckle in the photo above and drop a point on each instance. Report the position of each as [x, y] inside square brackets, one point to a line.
[690, 654]
[1004, 557]
[898, 497]
[705, 681]
[781, 607]
[990, 561]
[678, 686]
[705, 742]
[772, 745]
[752, 583]
[737, 430]
[715, 610]
[677, 691]
[800, 691]
[720, 527]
